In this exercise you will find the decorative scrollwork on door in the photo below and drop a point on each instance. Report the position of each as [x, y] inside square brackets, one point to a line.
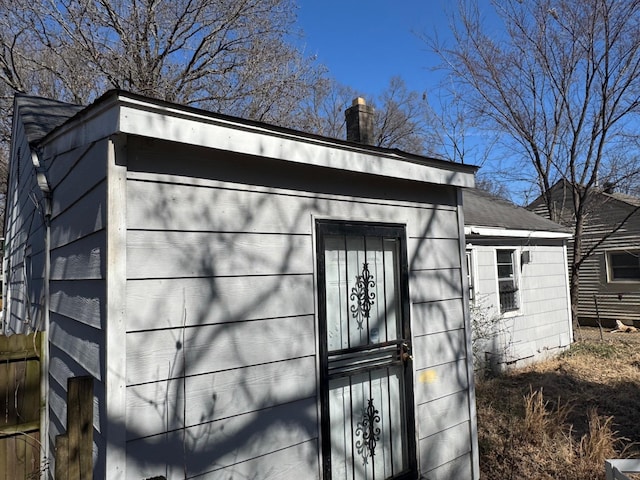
[369, 432]
[362, 296]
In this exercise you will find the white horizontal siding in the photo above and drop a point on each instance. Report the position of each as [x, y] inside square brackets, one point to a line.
[220, 292]
[434, 285]
[74, 178]
[534, 298]
[83, 218]
[291, 463]
[156, 202]
[439, 348]
[440, 414]
[82, 301]
[154, 408]
[437, 316]
[81, 260]
[457, 468]
[542, 322]
[161, 354]
[23, 237]
[170, 303]
[213, 254]
[433, 253]
[446, 446]
[226, 442]
[440, 381]
[75, 173]
[81, 342]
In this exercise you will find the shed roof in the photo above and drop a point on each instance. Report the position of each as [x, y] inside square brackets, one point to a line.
[119, 111]
[42, 115]
[482, 209]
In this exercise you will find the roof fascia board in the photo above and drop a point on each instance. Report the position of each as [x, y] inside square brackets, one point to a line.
[502, 232]
[95, 122]
[119, 113]
[186, 126]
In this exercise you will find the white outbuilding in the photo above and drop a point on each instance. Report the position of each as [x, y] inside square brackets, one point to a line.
[250, 301]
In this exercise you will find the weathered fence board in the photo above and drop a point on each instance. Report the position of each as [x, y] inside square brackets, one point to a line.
[74, 456]
[20, 406]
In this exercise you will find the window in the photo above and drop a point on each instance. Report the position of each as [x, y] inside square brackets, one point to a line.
[623, 266]
[507, 284]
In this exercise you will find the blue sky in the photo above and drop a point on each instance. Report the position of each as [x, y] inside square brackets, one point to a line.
[366, 42]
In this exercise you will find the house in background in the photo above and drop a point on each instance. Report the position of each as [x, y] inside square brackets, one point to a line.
[250, 301]
[610, 277]
[519, 292]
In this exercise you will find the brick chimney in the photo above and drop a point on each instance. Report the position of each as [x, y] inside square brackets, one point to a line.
[359, 117]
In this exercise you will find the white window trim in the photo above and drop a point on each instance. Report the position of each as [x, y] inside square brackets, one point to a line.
[609, 267]
[473, 284]
[517, 277]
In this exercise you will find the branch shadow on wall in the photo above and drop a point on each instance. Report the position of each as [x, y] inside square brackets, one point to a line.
[221, 336]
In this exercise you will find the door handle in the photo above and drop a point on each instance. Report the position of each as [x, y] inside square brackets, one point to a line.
[406, 353]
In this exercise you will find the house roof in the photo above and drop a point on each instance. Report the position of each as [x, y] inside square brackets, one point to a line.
[487, 214]
[42, 115]
[119, 111]
[561, 200]
[621, 197]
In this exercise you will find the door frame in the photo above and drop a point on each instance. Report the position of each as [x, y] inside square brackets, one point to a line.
[324, 227]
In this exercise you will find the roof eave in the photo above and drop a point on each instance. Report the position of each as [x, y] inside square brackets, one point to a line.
[141, 116]
[123, 112]
[483, 231]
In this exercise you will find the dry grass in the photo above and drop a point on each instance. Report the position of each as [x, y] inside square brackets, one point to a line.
[560, 419]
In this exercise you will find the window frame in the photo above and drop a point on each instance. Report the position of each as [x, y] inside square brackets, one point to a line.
[611, 278]
[470, 273]
[515, 278]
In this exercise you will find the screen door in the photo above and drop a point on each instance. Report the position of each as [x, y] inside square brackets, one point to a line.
[366, 374]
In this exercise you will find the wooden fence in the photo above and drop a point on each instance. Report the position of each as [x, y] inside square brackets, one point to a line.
[20, 406]
[74, 449]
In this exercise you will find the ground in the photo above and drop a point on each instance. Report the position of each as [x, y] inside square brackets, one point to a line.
[593, 334]
[561, 418]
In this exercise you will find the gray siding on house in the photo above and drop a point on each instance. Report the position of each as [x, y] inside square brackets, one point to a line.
[541, 326]
[24, 241]
[25, 232]
[615, 300]
[221, 328]
[77, 178]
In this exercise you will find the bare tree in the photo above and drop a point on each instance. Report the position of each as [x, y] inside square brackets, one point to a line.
[560, 81]
[401, 118]
[323, 111]
[226, 55]
[229, 56]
